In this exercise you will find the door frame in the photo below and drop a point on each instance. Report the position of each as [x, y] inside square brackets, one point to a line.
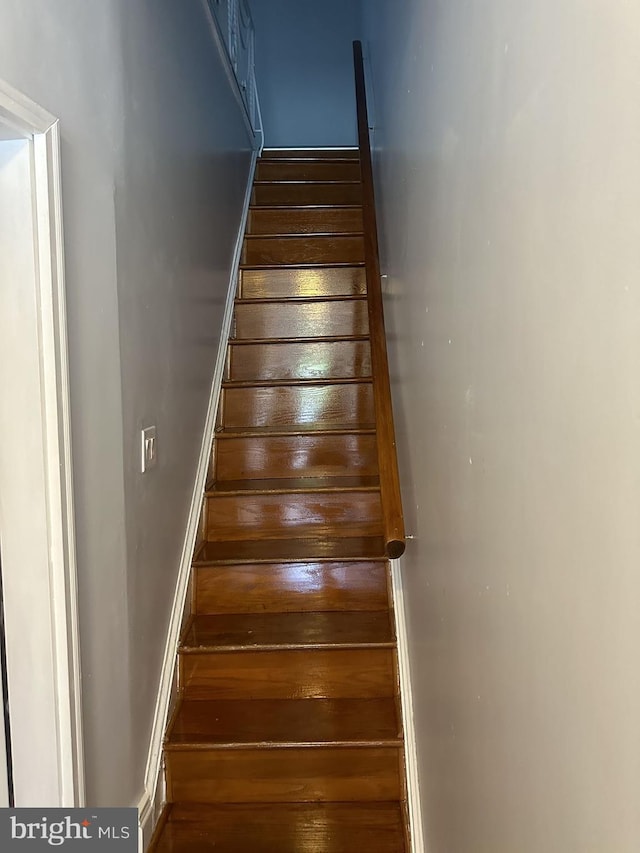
[55, 600]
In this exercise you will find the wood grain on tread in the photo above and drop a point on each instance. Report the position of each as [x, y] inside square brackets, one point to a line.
[297, 587]
[375, 827]
[269, 723]
[326, 318]
[250, 515]
[278, 250]
[315, 428]
[300, 281]
[324, 774]
[298, 405]
[321, 673]
[305, 455]
[308, 360]
[304, 220]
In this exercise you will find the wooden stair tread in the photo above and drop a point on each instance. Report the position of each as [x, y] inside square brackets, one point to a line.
[276, 530]
[287, 485]
[350, 151]
[271, 163]
[274, 342]
[310, 219]
[288, 406]
[310, 460]
[253, 631]
[303, 207]
[284, 158]
[282, 722]
[292, 268]
[274, 383]
[308, 235]
[301, 317]
[296, 169]
[302, 358]
[282, 266]
[328, 247]
[374, 827]
[302, 300]
[329, 547]
[306, 192]
[307, 161]
[291, 281]
[297, 429]
[307, 513]
[295, 587]
[302, 182]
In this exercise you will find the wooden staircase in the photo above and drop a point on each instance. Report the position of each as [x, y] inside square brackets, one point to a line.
[287, 733]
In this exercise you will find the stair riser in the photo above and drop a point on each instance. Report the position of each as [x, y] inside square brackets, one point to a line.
[285, 775]
[281, 516]
[350, 404]
[305, 221]
[284, 283]
[301, 320]
[290, 587]
[309, 360]
[281, 170]
[301, 193]
[289, 674]
[274, 251]
[333, 547]
[296, 456]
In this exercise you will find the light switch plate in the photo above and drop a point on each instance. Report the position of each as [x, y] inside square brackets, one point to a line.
[148, 449]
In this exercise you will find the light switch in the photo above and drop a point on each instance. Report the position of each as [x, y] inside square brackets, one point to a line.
[148, 448]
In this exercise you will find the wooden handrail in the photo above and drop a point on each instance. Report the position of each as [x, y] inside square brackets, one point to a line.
[385, 432]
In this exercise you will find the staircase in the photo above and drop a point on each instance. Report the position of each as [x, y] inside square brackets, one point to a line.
[287, 734]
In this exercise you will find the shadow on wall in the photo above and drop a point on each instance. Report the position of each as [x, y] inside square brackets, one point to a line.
[304, 70]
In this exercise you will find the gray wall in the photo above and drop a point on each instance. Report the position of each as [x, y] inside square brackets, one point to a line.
[155, 163]
[509, 188]
[304, 70]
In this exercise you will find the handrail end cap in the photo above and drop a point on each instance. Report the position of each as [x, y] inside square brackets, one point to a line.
[395, 548]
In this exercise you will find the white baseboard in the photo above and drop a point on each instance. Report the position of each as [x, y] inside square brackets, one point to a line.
[149, 811]
[150, 805]
[411, 758]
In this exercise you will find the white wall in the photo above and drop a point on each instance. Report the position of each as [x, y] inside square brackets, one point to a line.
[304, 69]
[507, 138]
[155, 164]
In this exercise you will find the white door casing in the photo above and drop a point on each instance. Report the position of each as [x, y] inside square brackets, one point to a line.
[36, 495]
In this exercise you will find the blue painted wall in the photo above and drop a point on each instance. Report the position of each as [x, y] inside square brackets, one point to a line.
[305, 70]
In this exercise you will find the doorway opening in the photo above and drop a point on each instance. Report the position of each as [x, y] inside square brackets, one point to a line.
[42, 668]
[7, 793]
